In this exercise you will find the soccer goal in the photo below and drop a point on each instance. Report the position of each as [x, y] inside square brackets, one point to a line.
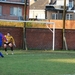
[46, 23]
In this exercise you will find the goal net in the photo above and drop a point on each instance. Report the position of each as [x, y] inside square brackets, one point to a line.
[47, 24]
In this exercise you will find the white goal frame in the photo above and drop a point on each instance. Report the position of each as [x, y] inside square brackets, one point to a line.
[53, 31]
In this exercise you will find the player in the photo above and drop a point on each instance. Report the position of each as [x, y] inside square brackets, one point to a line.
[10, 42]
[2, 38]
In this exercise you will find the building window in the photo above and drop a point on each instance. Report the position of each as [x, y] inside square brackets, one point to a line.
[69, 16]
[2, 0]
[57, 16]
[70, 5]
[54, 16]
[60, 16]
[16, 11]
[0, 10]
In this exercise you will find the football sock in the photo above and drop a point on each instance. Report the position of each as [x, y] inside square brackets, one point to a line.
[1, 54]
[11, 48]
[5, 49]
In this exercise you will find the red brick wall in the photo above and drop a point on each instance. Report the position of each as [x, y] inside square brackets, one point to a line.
[17, 33]
[70, 38]
[40, 38]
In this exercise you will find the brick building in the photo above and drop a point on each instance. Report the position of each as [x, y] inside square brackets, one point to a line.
[13, 9]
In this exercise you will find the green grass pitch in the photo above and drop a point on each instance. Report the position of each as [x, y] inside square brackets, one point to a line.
[38, 62]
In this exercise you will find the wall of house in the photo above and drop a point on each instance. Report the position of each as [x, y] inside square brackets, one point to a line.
[49, 14]
[39, 13]
[6, 10]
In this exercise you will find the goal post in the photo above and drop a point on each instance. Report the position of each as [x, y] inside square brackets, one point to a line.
[47, 23]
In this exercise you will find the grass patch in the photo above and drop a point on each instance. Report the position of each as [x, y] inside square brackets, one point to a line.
[38, 63]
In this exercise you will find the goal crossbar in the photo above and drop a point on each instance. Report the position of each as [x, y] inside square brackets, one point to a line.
[53, 31]
[26, 21]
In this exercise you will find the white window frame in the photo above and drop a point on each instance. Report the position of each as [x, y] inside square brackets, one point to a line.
[0, 10]
[16, 11]
[69, 16]
[54, 16]
[70, 5]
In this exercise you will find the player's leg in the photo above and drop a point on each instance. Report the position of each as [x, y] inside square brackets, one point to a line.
[1, 54]
[0, 47]
[5, 48]
[11, 47]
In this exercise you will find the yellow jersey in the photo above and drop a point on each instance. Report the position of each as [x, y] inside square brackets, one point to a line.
[9, 39]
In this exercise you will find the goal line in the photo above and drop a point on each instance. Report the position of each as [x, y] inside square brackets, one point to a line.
[52, 30]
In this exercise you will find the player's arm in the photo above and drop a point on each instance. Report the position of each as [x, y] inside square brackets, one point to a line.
[13, 42]
[4, 38]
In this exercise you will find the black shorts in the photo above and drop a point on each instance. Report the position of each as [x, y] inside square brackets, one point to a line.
[7, 43]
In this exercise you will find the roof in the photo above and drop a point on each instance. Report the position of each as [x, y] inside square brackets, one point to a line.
[39, 4]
